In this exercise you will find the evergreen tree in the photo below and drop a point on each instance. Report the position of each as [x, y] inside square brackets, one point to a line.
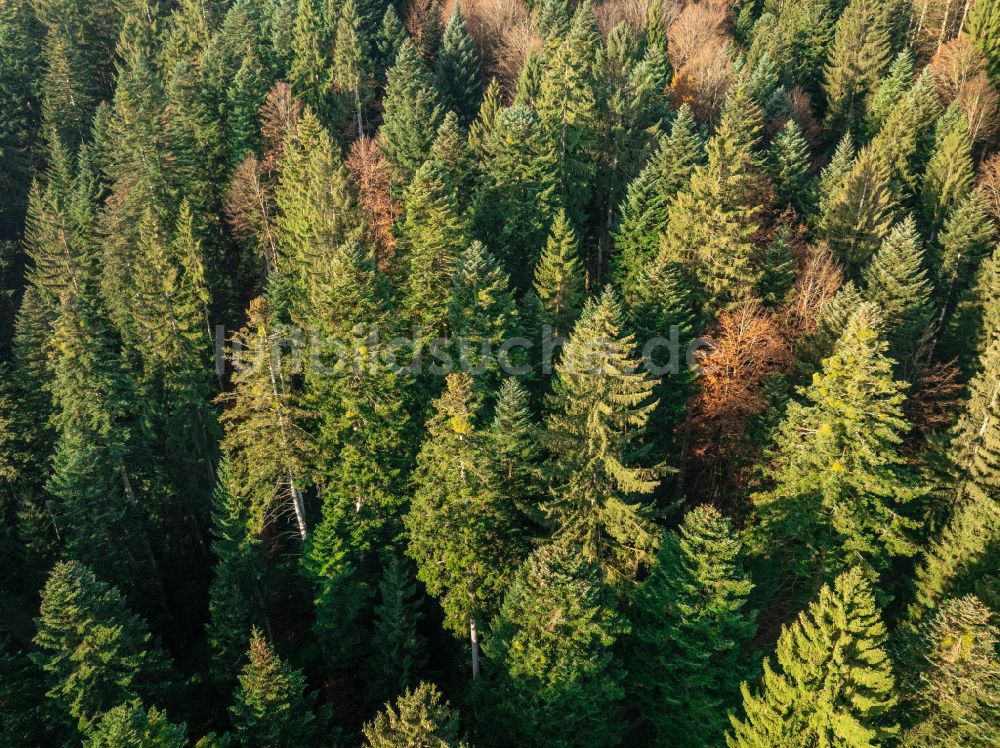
[421, 716]
[94, 651]
[456, 507]
[834, 173]
[311, 73]
[559, 278]
[514, 449]
[859, 211]
[960, 559]
[599, 408]
[961, 247]
[399, 651]
[266, 445]
[789, 166]
[982, 26]
[412, 112]
[482, 126]
[840, 482]
[896, 281]
[645, 209]
[390, 38]
[131, 726]
[858, 58]
[954, 692]
[352, 63]
[950, 172]
[893, 87]
[559, 683]
[458, 71]
[529, 81]
[431, 35]
[712, 223]
[834, 682]
[271, 706]
[689, 628]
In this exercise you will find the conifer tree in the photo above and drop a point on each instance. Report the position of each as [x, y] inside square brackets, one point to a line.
[456, 505]
[894, 86]
[390, 38]
[559, 278]
[311, 74]
[352, 64]
[266, 445]
[789, 166]
[514, 449]
[599, 408]
[519, 198]
[94, 651]
[833, 684]
[858, 57]
[568, 109]
[834, 173]
[954, 692]
[950, 172]
[482, 126]
[689, 628]
[451, 156]
[962, 244]
[271, 706]
[655, 33]
[420, 716]
[712, 223]
[982, 26]
[234, 596]
[840, 482]
[529, 81]
[859, 210]
[131, 726]
[645, 209]
[398, 648]
[432, 234]
[412, 112]
[458, 71]
[959, 561]
[551, 643]
[896, 281]
[482, 314]
[244, 98]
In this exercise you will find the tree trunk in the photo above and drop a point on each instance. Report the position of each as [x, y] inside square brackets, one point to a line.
[474, 642]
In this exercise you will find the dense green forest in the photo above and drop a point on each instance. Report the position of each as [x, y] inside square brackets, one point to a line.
[445, 373]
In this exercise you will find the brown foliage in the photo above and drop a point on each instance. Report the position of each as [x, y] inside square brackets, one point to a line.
[371, 175]
[698, 27]
[279, 114]
[503, 33]
[818, 278]
[704, 70]
[936, 396]
[250, 208]
[802, 113]
[981, 104]
[989, 183]
[957, 62]
[935, 22]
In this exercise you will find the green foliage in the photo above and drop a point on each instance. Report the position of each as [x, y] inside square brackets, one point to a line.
[840, 481]
[94, 651]
[790, 165]
[950, 172]
[982, 27]
[834, 682]
[352, 63]
[271, 706]
[311, 75]
[551, 644]
[457, 69]
[420, 717]
[689, 629]
[598, 410]
[559, 277]
[131, 726]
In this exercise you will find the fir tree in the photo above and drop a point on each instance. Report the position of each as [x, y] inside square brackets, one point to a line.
[954, 692]
[896, 281]
[94, 651]
[412, 112]
[131, 726]
[552, 646]
[789, 166]
[421, 716]
[859, 211]
[390, 38]
[352, 64]
[982, 26]
[834, 682]
[398, 648]
[271, 706]
[893, 87]
[559, 278]
[456, 505]
[645, 209]
[599, 408]
[529, 81]
[957, 562]
[458, 71]
[712, 223]
[311, 74]
[514, 449]
[834, 173]
[962, 244]
[950, 173]
[689, 628]
[841, 484]
[266, 445]
[858, 57]
[482, 126]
